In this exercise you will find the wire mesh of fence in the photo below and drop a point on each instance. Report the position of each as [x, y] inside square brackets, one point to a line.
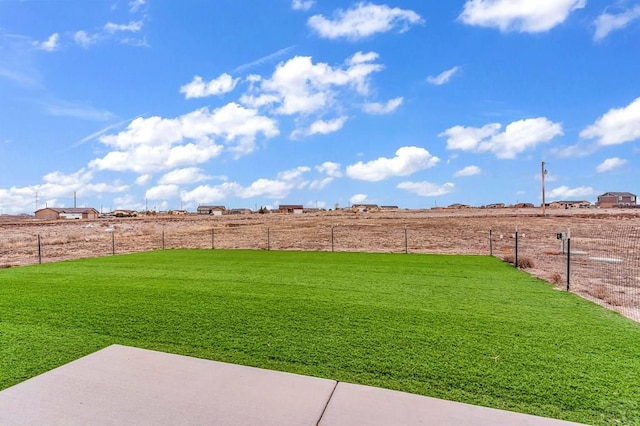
[602, 263]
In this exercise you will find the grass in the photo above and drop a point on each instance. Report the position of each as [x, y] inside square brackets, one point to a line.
[465, 328]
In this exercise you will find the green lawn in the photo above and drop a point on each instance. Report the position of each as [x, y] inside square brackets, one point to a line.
[466, 328]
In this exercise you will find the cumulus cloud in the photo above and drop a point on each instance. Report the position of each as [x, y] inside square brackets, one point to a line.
[57, 189]
[155, 144]
[376, 108]
[302, 4]
[408, 160]
[298, 86]
[516, 138]
[330, 169]
[162, 192]
[362, 21]
[566, 193]
[273, 189]
[468, 171]
[321, 127]
[519, 15]
[50, 45]
[426, 189]
[443, 77]
[617, 126]
[358, 198]
[608, 22]
[198, 88]
[610, 164]
[183, 176]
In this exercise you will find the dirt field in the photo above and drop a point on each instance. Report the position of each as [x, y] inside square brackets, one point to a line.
[605, 256]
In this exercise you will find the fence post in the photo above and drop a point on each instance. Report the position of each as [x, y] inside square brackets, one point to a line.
[568, 257]
[213, 239]
[406, 241]
[331, 238]
[39, 251]
[113, 242]
[490, 242]
[163, 238]
[268, 239]
[516, 259]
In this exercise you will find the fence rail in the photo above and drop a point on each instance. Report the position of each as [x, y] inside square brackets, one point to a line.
[597, 259]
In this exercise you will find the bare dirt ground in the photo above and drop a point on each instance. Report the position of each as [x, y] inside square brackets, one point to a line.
[605, 244]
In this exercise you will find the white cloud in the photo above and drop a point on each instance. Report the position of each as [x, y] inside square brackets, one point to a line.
[135, 5]
[525, 16]
[610, 164]
[85, 39]
[320, 183]
[330, 169]
[162, 192]
[298, 86]
[377, 108]
[364, 20]
[302, 4]
[154, 144]
[358, 198]
[133, 26]
[608, 22]
[50, 44]
[322, 127]
[617, 126]
[408, 160]
[57, 190]
[468, 171]
[197, 88]
[143, 180]
[443, 77]
[515, 139]
[570, 151]
[183, 176]
[426, 189]
[565, 193]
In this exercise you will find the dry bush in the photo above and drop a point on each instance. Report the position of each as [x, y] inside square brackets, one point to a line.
[523, 261]
[555, 278]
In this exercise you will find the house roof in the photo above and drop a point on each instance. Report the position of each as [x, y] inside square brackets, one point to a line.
[212, 207]
[70, 209]
[617, 194]
[290, 206]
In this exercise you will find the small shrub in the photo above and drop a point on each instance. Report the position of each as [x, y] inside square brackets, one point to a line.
[523, 261]
[555, 278]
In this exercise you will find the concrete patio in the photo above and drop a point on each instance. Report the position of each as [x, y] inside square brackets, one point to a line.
[124, 385]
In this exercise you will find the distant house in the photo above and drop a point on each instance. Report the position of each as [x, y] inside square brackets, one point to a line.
[54, 213]
[494, 206]
[291, 208]
[389, 208]
[459, 206]
[616, 199]
[365, 208]
[524, 206]
[569, 204]
[239, 211]
[212, 210]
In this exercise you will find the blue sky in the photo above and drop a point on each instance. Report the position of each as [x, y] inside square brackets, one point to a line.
[256, 103]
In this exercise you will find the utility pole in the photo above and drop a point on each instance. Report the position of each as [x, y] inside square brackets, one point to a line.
[544, 204]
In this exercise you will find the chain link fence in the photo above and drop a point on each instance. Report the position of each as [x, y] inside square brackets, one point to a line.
[598, 259]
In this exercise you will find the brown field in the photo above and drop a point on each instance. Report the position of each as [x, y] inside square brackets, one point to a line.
[605, 266]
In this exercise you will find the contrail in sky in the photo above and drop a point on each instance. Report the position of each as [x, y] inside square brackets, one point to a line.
[264, 59]
[105, 130]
